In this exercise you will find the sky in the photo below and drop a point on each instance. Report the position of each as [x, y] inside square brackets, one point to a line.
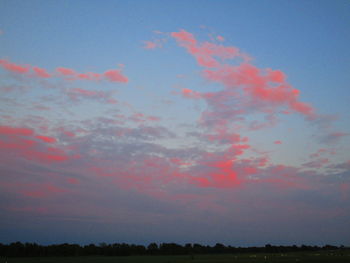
[175, 121]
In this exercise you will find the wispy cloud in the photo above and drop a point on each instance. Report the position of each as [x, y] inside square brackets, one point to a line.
[112, 75]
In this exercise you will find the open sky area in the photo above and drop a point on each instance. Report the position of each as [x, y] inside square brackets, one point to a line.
[175, 121]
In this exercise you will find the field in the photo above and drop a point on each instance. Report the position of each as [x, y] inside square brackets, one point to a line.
[323, 256]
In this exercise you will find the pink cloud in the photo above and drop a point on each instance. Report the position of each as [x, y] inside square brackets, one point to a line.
[185, 38]
[247, 89]
[112, 75]
[111, 101]
[157, 42]
[73, 181]
[153, 118]
[69, 133]
[220, 38]
[266, 88]
[115, 75]
[89, 76]
[322, 151]
[65, 132]
[77, 93]
[222, 134]
[14, 131]
[73, 75]
[250, 88]
[150, 45]
[221, 170]
[179, 161]
[205, 52]
[220, 174]
[14, 67]
[85, 93]
[22, 143]
[140, 118]
[40, 72]
[46, 139]
[188, 93]
[66, 71]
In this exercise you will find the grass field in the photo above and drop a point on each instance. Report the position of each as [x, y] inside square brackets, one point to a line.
[329, 256]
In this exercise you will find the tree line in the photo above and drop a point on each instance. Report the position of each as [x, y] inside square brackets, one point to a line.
[18, 249]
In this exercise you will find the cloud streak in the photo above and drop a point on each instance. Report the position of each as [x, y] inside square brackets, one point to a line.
[111, 75]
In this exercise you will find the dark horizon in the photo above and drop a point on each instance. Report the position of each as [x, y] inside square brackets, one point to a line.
[145, 244]
[19, 249]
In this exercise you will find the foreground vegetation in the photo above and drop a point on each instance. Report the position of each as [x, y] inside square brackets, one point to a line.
[168, 253]
[300, 257]
[19, 249]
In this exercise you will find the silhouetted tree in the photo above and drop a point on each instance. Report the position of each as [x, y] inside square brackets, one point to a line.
[17, 249]
[152, 248]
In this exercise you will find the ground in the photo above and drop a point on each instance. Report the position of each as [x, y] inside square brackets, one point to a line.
[300, 257]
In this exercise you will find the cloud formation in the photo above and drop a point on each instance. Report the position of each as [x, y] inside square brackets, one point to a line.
[206, 53]
[211, 152]
[112, 75]
[24, 143]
